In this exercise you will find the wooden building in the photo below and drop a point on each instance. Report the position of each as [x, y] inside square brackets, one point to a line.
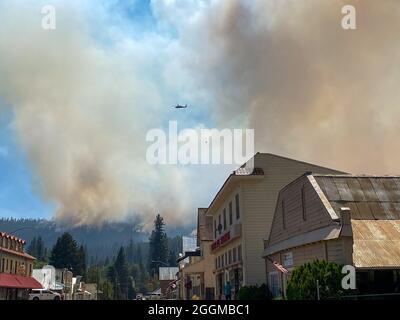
[347, 219]
[199, 271]
[242, 213]
[15, 269]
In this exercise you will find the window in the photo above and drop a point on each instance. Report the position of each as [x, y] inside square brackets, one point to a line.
[234, 254]
[237, 207]
[240, 253]
[274, 283]
[303, 203]
[215, 229]
[11, 266]
[230, 213]
[216, 263]
[283, 214]
[230, 257]
[224, 219]
[219, 224]
[287, 259]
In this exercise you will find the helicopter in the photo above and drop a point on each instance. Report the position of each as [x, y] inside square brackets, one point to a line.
[178, 106]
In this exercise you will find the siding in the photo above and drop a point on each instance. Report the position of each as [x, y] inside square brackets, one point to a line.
[316, 215]
[333, 250]
[259, 201]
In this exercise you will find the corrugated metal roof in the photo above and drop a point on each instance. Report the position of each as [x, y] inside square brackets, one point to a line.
[376, 243]
[167, 273]
[368, 197]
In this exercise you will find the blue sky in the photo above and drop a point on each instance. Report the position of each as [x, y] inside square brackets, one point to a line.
[118, 28]
[82, 97]
[17, 197]
[20, 195]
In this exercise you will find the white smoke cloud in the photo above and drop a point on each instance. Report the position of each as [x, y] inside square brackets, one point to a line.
[311, 89]
[82, 111]
[84, 96]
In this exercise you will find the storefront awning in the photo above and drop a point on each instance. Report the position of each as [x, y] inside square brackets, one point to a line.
[18, 282]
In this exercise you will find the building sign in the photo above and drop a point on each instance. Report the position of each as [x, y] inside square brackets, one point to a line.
[287, 259]
[221, 241]
[21, 270]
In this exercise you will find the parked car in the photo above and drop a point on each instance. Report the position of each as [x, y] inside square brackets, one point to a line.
[43, 294]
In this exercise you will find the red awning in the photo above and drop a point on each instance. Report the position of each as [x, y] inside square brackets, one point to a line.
[19, 282]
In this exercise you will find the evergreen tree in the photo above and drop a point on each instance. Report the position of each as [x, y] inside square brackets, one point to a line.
[172, 259]
[158, 250]
[32, 248]
[40, 249]
[118, 275]
[65, 254]
[80, 267]
[303, 281]
[130, 252]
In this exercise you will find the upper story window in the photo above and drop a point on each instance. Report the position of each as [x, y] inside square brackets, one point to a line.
[224, 219]
[237, 207]
[230, 214]
[219, 224]
[303, 203]
[215, 229]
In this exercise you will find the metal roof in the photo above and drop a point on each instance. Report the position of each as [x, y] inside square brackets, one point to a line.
[376, 243]
[167, 273]
[368, 197]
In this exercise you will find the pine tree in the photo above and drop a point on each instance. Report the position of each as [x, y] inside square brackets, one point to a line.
[158, 251]
[130, 252]
[120, 275]
[40, 249]
[64, 253]
[32, 249]
[172, 259]
[81, 261]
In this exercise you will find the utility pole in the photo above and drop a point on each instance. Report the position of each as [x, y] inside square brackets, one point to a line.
[318, 298]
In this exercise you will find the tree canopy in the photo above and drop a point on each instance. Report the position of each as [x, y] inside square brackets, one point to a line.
[67, 254]
[303, 281]
[158, 250]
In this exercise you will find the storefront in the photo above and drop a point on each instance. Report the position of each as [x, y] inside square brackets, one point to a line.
[16, 287]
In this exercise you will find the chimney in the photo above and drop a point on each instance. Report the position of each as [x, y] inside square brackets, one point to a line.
[345, 221]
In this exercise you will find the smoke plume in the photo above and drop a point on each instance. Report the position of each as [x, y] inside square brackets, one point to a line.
[82, 104]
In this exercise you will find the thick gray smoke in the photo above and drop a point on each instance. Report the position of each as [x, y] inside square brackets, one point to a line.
[309, 88]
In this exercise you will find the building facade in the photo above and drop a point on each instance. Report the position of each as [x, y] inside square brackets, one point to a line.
[198, 273]
[242, 214]
[347, 219]
[15, 269]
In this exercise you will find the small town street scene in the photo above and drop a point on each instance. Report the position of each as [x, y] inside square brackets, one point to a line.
[197, 156]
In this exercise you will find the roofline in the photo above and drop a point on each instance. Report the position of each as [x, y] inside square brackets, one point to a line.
[350, 175]
[17, 253]
[300, 161]
[266, 154]
[10, 236]
[231, 176]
